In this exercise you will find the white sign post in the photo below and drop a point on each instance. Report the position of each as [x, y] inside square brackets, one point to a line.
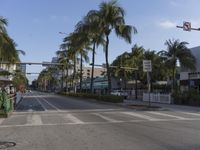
[147, 67]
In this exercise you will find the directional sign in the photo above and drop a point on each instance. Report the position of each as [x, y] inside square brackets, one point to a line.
[147, 67]
[187, 26]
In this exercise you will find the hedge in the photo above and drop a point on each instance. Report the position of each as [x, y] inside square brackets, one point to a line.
[191, 98]
[105, 98]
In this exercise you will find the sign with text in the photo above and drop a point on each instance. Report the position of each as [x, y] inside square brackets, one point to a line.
[147, 67]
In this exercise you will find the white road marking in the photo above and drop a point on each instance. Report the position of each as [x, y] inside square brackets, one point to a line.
[74, 119]
[40, 103]
[34, 120]
[97, 123]
[69, 111]
[139, 116]
[190, 113]
[166, 115]
[51, 104]
[106, 118]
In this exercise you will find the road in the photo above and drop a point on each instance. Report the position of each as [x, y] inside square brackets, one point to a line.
[50, 122]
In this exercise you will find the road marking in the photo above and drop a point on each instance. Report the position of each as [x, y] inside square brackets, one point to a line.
[34, 120]
[41, 104]
[166, 115]
[106, 118]
[97, 123]
[190, 113]
[139, 115]
[74, 119]
[70, 111]
[51, 104]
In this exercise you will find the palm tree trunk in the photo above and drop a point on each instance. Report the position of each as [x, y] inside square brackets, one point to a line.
[73, 85]
[67, 79]
[62, 81]
[92, 75]
[81, 70]
[107, 65]
[173, 78]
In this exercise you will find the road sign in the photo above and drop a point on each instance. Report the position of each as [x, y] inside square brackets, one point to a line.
[147, 67]
[187, 26]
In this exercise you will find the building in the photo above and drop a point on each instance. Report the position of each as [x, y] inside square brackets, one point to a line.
[22, 68]
[98, 72]
[190, 78]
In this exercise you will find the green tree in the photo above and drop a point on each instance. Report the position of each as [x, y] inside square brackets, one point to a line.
[111, 17]
[90, 26]
[20, 80]
[178, 52]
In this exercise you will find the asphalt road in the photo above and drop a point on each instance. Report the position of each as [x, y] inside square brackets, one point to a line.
[49, 122]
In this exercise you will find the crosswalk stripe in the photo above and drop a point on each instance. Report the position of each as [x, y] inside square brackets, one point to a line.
[34, 120]
[74, 119]
[106, 118]
[190, 113]
[139, 115]
[166, 115]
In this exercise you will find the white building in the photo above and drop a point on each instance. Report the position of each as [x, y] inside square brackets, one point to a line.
[190, 78]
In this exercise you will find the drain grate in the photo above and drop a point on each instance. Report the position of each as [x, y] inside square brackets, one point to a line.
[4, 145]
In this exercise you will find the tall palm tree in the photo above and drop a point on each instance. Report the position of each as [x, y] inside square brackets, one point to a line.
[90, 25]
[65, 65]
[8, 50]
[3, 23]
[111, 17]
[178, 52]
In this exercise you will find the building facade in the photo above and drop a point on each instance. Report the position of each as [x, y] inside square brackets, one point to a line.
[190, 78]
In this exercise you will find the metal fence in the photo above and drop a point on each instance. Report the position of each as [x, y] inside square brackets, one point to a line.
[157, 98]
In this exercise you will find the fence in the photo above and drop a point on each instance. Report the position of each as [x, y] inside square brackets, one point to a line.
[157, 98]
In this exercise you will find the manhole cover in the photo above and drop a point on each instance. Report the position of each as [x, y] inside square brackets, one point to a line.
[4, 145]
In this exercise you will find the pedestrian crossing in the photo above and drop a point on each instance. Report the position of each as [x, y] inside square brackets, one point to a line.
[98, 117]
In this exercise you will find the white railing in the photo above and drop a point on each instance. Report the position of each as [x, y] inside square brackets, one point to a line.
[157, 98]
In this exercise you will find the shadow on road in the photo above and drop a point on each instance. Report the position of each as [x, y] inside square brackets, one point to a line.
[5, 144]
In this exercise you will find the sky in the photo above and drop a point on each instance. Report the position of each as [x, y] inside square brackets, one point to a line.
[35, 25]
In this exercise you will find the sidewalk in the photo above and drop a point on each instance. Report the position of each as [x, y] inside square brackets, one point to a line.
[172, 107]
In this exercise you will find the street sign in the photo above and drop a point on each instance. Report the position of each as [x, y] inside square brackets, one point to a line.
[187, 26]
[147, 67]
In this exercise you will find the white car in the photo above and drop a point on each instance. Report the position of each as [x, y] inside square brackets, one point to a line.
[120, 93]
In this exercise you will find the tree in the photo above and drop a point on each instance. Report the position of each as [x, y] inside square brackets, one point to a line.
[178, 52]
[65, 64]
[8, 50]
[111, 17]
[77, 44]
[90, 26]
[20, 81]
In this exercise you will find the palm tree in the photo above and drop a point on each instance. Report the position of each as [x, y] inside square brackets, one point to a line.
[3, 23]
[8, 50]
[111, 17]
[65, 65]
[178, 52]
[90, 26]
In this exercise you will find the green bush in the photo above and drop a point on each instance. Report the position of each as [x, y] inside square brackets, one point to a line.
[191, 98]
[111, 98]
[105, 98]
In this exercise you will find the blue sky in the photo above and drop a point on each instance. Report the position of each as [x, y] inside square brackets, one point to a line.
[35, 24]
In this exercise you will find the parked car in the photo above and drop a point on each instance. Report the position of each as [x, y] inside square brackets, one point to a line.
[120, 93]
